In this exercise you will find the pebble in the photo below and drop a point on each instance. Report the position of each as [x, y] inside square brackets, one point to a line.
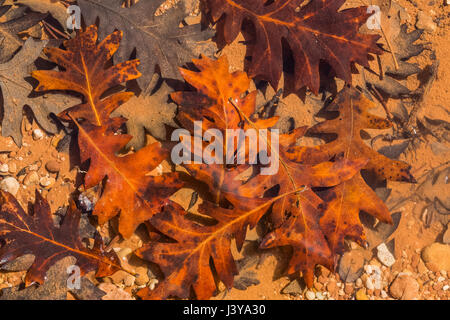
[47, 181]
[310, 295]
[404, 287]
[320, 296]
[119, 277]
[446, 287]
[142, 276]
[425, 22]
[4, 168]
[361, 295]
[348, 289]
[12, 167]
[358, 283]
[114, 293]
[369, 284]
[331, 286]
[152, 283]
[31, 178]
[385, 256]
[384, 294]
[38, 134]
[437, 257]
[10, 185]
[53, 166]
[129, 280]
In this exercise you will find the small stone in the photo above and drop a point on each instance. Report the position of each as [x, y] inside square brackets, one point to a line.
[12, 167]
[4, 168]
[31, 178]
[446, 236]
[318, 286]
[129, 280]
[310, 295]
[404, 287]
[47, 181]
[384, 294]
[369, 284]
[320, 296]
[119, 277]
[152, 283]
[38, 134]
[142, 277]
[384, 255]
[446, 287]
[53, 166]
[425, 22]
[114, 293]
[358, 283]
[348, 289]
[361, 295]
[331, 287]
[10, 185]
[437, 257]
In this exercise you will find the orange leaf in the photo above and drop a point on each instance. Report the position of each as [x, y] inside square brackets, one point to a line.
[85, 72]
[127, 189]
[345, 201]
[316, 31]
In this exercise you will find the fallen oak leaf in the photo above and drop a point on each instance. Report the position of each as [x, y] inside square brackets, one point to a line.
[341, 217]
[9, 30]
[186, 262]
[84, 62]
[36, 234]
[127, 189]
[158, 40]
[219, 103]
[148, 113]
[16, 91]
[55, 8]
[387, 75]
[316, 31]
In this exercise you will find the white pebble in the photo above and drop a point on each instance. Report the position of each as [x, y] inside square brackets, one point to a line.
[384, 294]
[445, 288]
[38, 134]
[369, 284]
[47, 181]
[385, 256]
[440, 279]
[4, 168]
[319, 296]
[10, 185]
[310, 295]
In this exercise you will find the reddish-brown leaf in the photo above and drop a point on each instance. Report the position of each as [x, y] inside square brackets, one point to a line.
[296, 217]
[344, 202]
[36, 234]
[84, 62]
[222, 104]
[128, 189]
[315, 32]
